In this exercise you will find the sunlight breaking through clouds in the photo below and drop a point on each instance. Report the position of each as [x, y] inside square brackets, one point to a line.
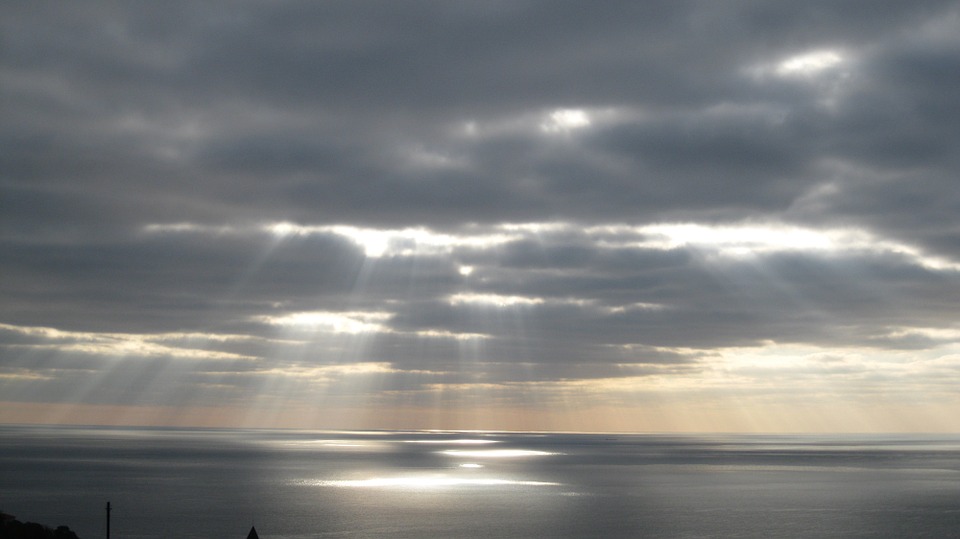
[810, 63]
[495, 300]
[548, 123]
[733, 239]
[356, 323]
[745, 239]
[565, 120]
[352, 323]
[127, 344]
[505, 301]
[25, 375]
[741, 240]
[328, 373]
[804, 66]
[394, 242]
[629, 218]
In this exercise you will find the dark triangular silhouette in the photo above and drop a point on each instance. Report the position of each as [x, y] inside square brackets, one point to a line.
[253, 533]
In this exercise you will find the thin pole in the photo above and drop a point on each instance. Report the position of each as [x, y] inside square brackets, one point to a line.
[108, 520]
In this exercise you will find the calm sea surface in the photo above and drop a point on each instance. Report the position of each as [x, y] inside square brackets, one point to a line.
[176, 483]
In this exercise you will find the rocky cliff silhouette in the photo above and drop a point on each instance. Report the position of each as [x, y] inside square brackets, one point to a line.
[11, 528]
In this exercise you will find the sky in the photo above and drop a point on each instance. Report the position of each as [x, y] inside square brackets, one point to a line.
[657, 216]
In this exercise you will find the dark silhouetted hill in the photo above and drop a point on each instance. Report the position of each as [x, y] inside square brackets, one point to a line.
[11, 528]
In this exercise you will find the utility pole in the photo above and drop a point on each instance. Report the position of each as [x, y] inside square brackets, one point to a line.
[108, 520]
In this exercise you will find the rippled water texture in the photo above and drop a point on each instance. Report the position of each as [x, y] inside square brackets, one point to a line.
[291, 484]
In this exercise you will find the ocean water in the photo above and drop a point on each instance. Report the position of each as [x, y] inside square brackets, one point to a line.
[185, 483]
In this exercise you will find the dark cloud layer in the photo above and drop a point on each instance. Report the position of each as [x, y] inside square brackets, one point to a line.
[305, 112]
[470, 186]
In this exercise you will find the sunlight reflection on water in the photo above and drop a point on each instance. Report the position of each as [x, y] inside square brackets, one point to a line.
[429, 481]
[300, 484]
[461, 441]
[354, 444]
[495, 453]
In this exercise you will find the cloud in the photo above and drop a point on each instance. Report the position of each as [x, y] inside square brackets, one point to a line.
[523, 197]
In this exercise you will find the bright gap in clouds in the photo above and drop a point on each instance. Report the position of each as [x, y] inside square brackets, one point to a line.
[565, 120]
[809, 63]
[495, 300]
[802, 66]
[357, 323]
[335, 322]
[748, 240]
[733, 239]
[391, 242]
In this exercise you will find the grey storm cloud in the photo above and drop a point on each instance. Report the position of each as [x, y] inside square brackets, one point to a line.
[468, 188]
[308, 113]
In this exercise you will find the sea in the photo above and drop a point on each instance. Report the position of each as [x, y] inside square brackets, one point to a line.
[198, 483]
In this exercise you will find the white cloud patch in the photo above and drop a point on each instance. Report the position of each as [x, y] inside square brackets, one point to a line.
[494, 300]
[124, 344]
[753, 239]
[565, 120]
[394, 242]
[809, 63]
[351, 323]
[734, 238]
